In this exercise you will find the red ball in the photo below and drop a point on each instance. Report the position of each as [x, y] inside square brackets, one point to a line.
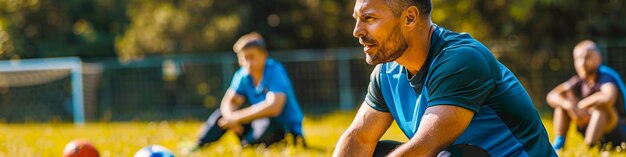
[80, 148]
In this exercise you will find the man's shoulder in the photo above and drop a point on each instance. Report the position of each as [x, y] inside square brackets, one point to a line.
[462, 57]
[241, 73]
[455, 39]
[606, 78]
[274, 66]
[462, 45]
[240, 81]
[460, 50]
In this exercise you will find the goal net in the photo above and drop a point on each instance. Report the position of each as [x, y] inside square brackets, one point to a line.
[35, 90]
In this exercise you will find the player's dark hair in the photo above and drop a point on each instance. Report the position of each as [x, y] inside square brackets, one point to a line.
[397, 6]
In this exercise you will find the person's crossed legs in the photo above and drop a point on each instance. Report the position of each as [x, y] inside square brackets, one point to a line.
[564, 113]
[260, 131]
[602, 121]
[593, 122]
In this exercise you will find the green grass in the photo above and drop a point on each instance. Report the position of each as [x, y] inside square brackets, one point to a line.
[124, 139]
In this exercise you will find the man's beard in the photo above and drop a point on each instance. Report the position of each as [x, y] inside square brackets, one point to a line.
[389, 50]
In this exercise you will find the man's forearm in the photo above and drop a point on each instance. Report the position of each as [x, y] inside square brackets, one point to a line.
[595, 100]
[255, 111]
[413, 149]
[361, 137]
[272, 106]
[230, 103]
[347, 146]
[227, 109]
[441, 125]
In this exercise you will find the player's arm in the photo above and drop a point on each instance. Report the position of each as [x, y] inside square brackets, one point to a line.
[606, 96]
[557, 97]
[361, 137]
[231, 102]
[440, 127]
[272, 106]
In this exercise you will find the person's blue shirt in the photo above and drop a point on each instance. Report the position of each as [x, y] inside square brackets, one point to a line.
[275, 80]
[462, 72]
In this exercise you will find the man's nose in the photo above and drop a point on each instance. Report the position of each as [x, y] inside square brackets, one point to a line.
[358, 31]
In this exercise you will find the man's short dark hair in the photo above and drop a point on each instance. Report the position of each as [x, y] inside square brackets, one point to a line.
[397, 6]
[252, 39]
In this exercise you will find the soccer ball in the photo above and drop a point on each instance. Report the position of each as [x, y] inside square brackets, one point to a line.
[80, 148]
[154, 151]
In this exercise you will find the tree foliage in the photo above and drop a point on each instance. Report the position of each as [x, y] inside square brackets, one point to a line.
[533, 29]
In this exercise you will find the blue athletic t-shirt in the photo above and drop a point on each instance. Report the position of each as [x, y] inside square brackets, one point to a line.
[275, 80]
[462, 72]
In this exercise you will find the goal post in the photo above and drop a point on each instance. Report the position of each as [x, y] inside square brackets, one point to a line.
[73, 64]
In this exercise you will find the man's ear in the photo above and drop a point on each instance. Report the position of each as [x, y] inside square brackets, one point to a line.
[411, 17]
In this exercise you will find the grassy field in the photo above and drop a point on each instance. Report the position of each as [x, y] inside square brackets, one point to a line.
[124, 139]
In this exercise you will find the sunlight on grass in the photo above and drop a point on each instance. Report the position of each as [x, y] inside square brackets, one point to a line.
[124, 139]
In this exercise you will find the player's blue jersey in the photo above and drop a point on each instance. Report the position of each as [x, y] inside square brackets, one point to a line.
[462, 72]
[275, 80]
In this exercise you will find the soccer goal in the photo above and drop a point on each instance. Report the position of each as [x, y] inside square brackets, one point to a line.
[38, 89]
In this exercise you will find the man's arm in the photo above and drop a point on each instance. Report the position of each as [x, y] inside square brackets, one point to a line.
[272, 106]
[440, 126]
[557, 97]
[361, 137]
[231, 102]
[606, 96]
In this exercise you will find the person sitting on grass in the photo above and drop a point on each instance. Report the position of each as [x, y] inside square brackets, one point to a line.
[262, 82]
[593, 99]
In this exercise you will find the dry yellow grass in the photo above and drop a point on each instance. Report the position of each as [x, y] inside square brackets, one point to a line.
[124, 139]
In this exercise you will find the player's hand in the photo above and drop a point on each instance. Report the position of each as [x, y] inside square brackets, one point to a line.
[228, 123]
[583, 114]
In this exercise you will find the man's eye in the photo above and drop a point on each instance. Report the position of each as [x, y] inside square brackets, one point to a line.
[369, 18]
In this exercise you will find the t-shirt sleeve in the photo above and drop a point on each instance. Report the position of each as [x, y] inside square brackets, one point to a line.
[603, 79]
[374, 97]
[238, 83]
[461, 77]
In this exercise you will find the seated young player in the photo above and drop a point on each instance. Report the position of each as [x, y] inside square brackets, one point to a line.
[592, 99]
[262, 82]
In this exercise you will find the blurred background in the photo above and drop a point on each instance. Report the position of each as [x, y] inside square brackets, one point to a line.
[146, 60]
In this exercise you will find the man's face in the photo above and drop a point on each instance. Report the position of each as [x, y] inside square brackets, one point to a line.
[252, 59]
[586, 61]
[378, 31]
